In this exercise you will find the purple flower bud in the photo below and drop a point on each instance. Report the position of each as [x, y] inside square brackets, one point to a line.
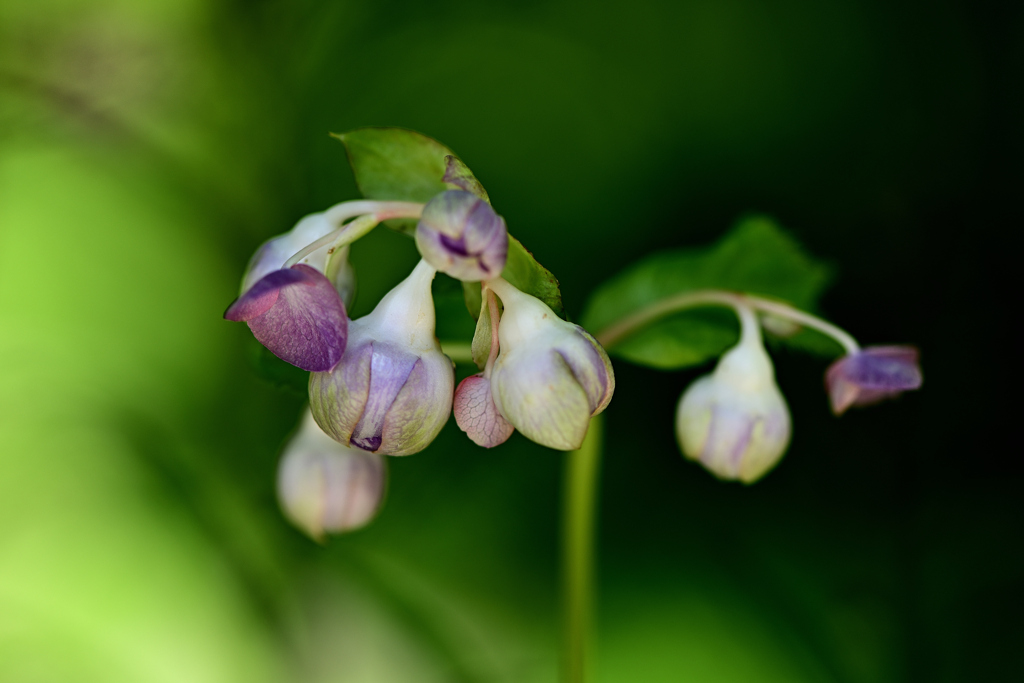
[325, 487]
[476, 414]
[461, 235]
[297, 314]
[391, 392]
[871, 375]
[550, 376]
[735, 421]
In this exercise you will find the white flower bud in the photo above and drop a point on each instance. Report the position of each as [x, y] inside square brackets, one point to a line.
[391, 392]
[326, 487]
[551, 376]
[735, 421]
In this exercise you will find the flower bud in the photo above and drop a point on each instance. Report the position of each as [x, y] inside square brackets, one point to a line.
[871, 375]
[461, 235]
[305, 326]
[391, 392]
[325, 487]
[550, 376]
[735, 420]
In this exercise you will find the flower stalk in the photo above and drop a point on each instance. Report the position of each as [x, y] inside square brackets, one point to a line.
[579, 521]
[615, 333]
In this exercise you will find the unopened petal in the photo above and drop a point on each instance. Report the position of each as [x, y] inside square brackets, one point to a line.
[536, 391]
[421, 408]
[298, 315]
[337, 398]
[390, 367]
[871, 375]
[476, 414]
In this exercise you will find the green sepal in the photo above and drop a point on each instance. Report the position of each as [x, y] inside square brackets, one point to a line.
[755, 257]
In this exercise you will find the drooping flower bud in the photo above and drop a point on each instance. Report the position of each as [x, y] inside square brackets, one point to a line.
[391, 392]
[303, 325]
[326, 487]
[461, 235]
[550, 376]
[297, 314]
[871, 375]
[735, 421]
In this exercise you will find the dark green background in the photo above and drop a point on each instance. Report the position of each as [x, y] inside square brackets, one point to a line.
[146, 148]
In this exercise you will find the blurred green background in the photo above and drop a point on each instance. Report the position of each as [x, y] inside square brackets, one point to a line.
[147, 148]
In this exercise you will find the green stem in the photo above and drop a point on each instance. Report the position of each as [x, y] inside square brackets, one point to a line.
[621, 329]
[582, 468]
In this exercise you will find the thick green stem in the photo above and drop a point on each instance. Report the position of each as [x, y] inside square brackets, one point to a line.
[582, 468]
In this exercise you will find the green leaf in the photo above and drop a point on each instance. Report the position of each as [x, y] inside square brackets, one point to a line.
[756, 257]
[396, 164]
[403, 165]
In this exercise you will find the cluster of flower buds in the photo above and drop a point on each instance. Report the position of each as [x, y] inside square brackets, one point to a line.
[380, 384]
[735, 421]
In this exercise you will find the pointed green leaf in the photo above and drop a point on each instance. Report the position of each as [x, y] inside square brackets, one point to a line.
[756, 256]
[396, 164]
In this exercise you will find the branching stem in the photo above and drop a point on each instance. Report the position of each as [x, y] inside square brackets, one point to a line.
[618, 331]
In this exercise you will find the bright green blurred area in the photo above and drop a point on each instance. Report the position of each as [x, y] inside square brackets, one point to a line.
[147, 148]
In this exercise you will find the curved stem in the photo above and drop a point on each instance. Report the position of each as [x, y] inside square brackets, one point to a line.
[806, 319]
[579, 510]
[370, 214]
[615, 333]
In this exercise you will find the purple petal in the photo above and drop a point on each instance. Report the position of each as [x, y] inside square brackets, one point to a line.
[476, 414]
[872, 375]
[298, 315]
[258, 299]
[390, 367]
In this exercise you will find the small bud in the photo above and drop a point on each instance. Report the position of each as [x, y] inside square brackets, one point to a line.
[871, 375]
[461, 235]
[391, 392]
[735, 421]
[476, 414]
[297, 314]
[305, 326]
[551, 376]
[325, 487]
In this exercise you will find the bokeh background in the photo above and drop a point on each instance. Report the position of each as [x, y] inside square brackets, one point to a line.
[147, 148]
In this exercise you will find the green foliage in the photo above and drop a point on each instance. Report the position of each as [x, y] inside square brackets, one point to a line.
[756, 257]
[403, 165]
[396, 164]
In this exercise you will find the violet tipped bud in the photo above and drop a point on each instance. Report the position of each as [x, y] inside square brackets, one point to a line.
[735, 421]
[325, 487]
[871, 375]
[550, 376]
[460, 234]
[391, 392]
[299, 312]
